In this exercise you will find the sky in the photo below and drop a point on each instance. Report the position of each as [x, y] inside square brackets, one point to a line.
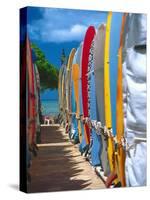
[53, 29]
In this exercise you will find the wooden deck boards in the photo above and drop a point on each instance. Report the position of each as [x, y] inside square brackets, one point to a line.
[59, 165]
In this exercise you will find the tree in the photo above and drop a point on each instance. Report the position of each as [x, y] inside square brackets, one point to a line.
[63, 57]
[48, 72]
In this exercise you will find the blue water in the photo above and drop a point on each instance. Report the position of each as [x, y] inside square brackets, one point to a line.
[50, 107]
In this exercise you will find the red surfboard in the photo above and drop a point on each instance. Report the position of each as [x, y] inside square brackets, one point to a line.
[31, 94]
[85, 59]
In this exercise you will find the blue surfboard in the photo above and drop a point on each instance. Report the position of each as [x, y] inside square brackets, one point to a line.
[95, 142]
[114, 46]
[82, 145]
[74, 122]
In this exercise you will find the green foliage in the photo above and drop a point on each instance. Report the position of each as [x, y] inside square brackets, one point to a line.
[48, 72]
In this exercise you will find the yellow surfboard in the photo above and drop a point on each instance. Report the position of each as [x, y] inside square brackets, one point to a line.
[119, 111]
[63, 95]
[75, 77]
[68, 84]
[68, 77]
[59, 88]
[107, 100]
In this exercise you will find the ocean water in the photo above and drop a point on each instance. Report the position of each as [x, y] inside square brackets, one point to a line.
[50, 107]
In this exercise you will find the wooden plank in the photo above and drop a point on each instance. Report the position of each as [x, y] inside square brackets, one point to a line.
[59, 165]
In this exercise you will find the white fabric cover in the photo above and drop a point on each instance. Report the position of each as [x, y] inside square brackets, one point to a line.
[136, 29]
[134, 88]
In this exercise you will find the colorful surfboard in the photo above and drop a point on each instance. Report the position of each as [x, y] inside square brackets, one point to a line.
[119, 111]
[60, 94]
[113, 46]
[107, 97]
[113, 72]
[110, 81]
[74, 122]
[95, 141]
[99, 43]
[31, 95]
[59, 88]
[76, 76]
[68, 89]
[113, 64]
[83, 145]
[63, 94]
[85, 58]
[68, 78]
[38, 104]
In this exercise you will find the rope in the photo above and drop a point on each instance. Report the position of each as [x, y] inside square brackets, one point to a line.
[107, 132]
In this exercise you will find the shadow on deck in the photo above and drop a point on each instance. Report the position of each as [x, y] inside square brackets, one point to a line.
[59, 165]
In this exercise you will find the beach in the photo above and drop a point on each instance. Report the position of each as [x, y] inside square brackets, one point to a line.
[49, 107]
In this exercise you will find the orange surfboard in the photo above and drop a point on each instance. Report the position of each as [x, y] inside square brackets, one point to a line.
[119, 111]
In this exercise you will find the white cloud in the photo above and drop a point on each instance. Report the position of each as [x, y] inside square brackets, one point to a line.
[59, 25]
[74, 33]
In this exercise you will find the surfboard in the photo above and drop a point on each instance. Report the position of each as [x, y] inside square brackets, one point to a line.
[110, 97]
[31, 95]
[68, 76]
[95, 141]
[111, 73]
[74, 123]
[107, 98]
[76, 76]
[25, 134]
[24, 92]
[60, 95]
[63, 68]
[113, 64]
[99, 43]
[119, 110]
[68, 89]
[63, 95]
[38, 107]
[35, 73]
[107, 102]
[83, 146]
[85, 58]
[59, 88]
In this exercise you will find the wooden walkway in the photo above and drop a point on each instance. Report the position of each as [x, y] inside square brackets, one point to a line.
[59, 165]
